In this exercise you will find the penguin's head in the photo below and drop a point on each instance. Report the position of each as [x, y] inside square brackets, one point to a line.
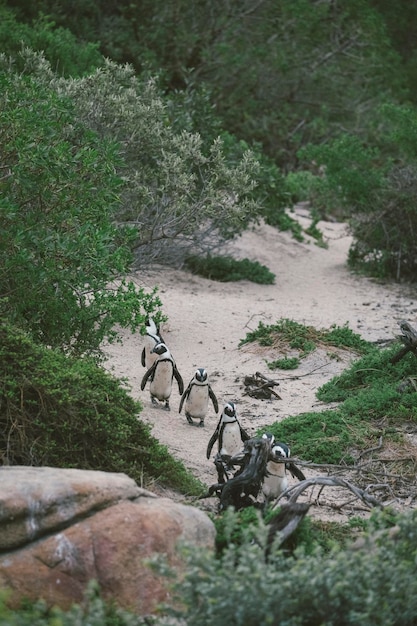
[229, 412]
[269, 437]
[280, 451]
[161, 349]
[200, 375]
[150, 327]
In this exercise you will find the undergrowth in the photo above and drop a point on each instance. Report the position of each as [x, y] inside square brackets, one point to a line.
[62, 411]
[328, 586]
[238, 527]
[373, 395]
[227, 269]
[306, 338]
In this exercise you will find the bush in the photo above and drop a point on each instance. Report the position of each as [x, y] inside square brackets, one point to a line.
[376, 183]
[63, 259]
[61, 411]
[227, 269]
[66, 55]
[306, 338]
[330, 588]
[93, 611]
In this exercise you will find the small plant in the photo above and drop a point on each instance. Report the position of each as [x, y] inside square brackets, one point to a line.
[287, 363]
[227, 269]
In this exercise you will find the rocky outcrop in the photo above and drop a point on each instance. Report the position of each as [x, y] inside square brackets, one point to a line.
[61, 528]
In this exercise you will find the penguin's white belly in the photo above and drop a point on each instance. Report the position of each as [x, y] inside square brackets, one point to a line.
[231, 440]
[197, 402]
[161, 385]
[276, 482]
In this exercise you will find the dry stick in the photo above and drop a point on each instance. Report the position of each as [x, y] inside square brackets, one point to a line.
[369, 450]
[293, 492]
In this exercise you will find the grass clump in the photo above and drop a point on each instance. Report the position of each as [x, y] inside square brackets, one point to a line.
[287, 363]
[306, 338]
[62, 411]
[370, 389]
[326, 437]
[226, 269]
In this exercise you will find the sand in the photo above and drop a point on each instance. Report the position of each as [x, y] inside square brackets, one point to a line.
[207, 320]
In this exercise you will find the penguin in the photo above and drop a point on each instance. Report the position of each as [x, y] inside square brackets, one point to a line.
[161, 375]
[197, 396]
[152, 337]
[230, 436]
[276, 480]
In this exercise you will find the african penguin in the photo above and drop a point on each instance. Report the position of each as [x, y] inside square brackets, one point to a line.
[161, 375]
[197, 396]
[151, 338]
[276, 481]
[230, 436]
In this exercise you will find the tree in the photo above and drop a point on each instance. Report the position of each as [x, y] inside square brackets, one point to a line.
[281, 73]
[180, 194]
[377, 186]
[62, 257]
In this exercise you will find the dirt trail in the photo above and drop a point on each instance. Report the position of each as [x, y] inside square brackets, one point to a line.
[208, 319]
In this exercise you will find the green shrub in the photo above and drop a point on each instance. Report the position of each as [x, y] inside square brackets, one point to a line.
[65, 412]
[375, 584]
[240, 527]
[326, 437]
[67, 55]
[227, 269]
[63, 258]
[305, 338]
[93, 611]
[287, 363]
[376, 182]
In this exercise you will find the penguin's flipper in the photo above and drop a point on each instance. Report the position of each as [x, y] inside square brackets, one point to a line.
[179, 379]
[143, 357]
[148, 374]
[295, 471]
[212, 441]
[213, 399]
[183, 397]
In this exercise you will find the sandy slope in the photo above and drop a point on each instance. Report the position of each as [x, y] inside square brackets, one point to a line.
[208, 319]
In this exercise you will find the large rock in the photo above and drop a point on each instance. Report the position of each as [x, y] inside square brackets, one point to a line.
[60, 528]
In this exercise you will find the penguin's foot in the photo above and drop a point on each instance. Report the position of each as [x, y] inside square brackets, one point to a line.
[201, 424]
[189, 418]
[166, 406]
[154, 401]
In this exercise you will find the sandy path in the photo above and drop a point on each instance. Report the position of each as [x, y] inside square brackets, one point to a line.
[208, 319]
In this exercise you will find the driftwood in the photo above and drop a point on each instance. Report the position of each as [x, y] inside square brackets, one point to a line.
[330, 481]
[243, 489]
[260, 387]
[409, 338]
[285, 523]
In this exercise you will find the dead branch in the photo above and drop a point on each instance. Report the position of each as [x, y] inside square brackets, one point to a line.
[260, 387]
[329, 481]
[409, 338]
